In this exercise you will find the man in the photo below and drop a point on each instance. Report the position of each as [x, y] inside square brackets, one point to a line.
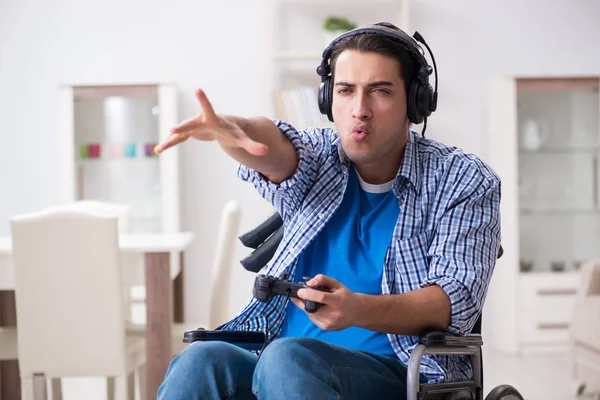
[402, 230]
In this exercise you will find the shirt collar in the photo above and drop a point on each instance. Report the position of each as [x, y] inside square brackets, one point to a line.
[409, 170]
[336, 147]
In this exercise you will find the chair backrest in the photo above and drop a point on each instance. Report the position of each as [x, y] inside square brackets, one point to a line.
[122, 211]
[585, 316]
[70, 318]
[132, 264]
[223, 263]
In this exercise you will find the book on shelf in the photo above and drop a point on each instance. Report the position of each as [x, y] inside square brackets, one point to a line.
[298, 106]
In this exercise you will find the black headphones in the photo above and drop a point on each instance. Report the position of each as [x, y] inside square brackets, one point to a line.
[421, 98]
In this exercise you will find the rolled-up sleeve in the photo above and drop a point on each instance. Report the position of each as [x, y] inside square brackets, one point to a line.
[287, 196]
[464, 249]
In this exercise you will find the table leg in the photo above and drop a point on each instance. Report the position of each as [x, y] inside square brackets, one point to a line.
[178, 293]
[10, 381]
[159, 317]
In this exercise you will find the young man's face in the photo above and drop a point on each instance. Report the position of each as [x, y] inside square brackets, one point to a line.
[369, 108]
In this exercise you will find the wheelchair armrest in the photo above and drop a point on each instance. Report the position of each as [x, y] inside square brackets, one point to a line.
[444, 344]
[437, 339]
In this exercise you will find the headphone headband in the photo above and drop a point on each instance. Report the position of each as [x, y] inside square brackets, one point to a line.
[408, 43]
[421, 97]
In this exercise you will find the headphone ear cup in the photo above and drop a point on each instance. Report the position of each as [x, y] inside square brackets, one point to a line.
[325, 97]
[412, 104]
[322, 98]
[425, 99]
[329, 98]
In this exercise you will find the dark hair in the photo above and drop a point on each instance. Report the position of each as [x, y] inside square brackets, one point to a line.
[373, 43]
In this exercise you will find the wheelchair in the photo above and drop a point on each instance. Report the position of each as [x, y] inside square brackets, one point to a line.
[264, 240]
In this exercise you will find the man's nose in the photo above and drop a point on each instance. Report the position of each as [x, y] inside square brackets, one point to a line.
[361, 109]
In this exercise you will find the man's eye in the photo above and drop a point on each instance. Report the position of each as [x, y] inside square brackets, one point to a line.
[344, 91]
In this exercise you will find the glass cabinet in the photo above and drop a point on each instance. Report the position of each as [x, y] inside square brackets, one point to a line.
[544, 143]
[558, 150]
[107, 139]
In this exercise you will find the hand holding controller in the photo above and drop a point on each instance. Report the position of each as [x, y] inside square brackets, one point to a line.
[267, 287]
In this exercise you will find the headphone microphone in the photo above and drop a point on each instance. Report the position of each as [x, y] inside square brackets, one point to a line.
[419, 38]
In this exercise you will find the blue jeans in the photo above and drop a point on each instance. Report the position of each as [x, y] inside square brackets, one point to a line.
[289, 368]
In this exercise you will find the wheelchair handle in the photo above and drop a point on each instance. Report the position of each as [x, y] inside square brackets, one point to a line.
[263, 254]
[256, 236]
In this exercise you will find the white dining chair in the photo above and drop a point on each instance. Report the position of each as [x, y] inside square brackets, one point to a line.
[227, 234]
[221, 271]
[121, 211]
[68, 288]
[134, 293]
[584, 328]
[132, 264]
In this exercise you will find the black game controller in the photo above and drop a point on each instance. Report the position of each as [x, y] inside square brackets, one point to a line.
[267, 287]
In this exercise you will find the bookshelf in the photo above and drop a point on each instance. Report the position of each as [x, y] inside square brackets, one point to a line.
[296, 41]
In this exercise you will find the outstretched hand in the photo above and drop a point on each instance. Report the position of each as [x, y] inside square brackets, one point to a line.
[340, 304]
[208, 126]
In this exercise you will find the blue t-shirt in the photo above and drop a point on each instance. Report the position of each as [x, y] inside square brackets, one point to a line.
[351, 249]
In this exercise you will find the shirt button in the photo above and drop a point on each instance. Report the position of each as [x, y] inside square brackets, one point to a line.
[291, 249]
[321, 216]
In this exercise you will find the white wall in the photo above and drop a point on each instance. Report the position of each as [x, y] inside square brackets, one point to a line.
[220, 46]
[216, 46]
[474, 41]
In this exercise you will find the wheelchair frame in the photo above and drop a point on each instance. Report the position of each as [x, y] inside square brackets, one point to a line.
[265, 239]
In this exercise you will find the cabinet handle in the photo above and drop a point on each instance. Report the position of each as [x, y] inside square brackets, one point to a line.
[557, 292]
[553, 325]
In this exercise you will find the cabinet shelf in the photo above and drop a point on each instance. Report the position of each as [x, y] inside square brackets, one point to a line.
[549, 212]
[561, 150]
[114, 160]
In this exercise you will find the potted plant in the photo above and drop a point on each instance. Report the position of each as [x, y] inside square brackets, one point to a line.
[334, 26]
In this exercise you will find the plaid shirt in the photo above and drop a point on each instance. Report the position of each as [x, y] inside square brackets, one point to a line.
[447, 233]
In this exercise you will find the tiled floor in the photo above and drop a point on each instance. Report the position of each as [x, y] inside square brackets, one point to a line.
[536, 377]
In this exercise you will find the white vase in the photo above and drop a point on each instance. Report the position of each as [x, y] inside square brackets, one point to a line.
[533, 138]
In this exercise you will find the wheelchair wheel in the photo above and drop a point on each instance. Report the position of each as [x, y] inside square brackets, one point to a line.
[504, 392]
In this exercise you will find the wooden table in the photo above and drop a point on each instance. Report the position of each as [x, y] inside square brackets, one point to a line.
[156, 249]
